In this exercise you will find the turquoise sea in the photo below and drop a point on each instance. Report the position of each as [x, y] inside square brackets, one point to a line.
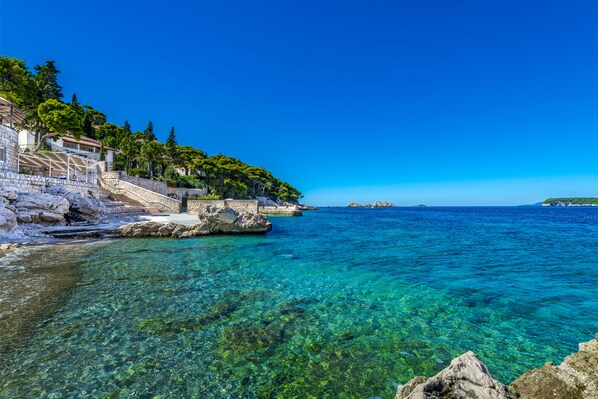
[339, 303]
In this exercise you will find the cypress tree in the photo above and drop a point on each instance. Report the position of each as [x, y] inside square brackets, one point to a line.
[149, 131]
[46, 81]
[171, 144]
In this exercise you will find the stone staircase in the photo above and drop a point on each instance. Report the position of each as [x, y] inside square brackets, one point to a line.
[120, 205]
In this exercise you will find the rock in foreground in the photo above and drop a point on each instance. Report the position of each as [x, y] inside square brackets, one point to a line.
[214, 221]
[466, 377]
[575, 378]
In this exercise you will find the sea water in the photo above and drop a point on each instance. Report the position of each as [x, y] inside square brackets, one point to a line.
[339, 303]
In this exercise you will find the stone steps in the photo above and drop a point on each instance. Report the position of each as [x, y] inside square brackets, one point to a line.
[120, 205]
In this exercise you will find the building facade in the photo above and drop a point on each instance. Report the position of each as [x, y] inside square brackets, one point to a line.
[9, 149]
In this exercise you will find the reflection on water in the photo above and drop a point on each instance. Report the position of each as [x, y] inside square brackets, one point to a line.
[336, 304]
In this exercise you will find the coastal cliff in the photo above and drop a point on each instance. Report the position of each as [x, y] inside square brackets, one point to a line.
[468, 377]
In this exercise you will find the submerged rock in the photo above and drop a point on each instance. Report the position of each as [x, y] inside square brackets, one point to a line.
[575, 378]
[466, 377]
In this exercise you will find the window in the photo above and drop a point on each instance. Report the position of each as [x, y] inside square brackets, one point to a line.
[2, 154]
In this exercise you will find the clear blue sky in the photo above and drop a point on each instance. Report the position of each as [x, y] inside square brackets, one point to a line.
[435, 102]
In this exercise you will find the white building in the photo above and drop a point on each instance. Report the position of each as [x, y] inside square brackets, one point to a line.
[85, 147]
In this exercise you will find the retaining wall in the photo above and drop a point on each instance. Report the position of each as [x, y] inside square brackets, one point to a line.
[195, 207]
[41, 183]
[179, 192]
[139, 194]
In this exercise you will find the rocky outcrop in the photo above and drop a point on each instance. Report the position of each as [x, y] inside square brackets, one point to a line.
[377, 204]
[213, 221]
[40, 208]
[466, 377]
[81, 208]
[8, 219]
[227, 220]
[575, 378]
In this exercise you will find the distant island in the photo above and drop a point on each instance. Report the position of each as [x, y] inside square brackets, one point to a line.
[377, 204]
[573, 201]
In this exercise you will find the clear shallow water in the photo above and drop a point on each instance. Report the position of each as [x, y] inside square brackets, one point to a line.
[341, 303]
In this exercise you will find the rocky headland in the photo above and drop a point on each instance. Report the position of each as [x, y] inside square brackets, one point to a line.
[467, 377]
[377, 204]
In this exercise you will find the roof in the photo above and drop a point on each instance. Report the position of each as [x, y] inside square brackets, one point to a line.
[6, 109]
[86, 141]
[57, 161]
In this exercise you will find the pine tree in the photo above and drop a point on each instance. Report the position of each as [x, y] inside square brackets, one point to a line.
[127, 127]
[149, 131]
[171, 144]
[46, 81]
[75, 106]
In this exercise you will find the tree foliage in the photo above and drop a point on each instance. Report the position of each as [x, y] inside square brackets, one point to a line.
[59, 119]
[39, 95]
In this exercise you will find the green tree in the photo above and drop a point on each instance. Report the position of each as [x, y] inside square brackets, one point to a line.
[152, 152]
[16, 82]
[149, 132]
[77, 107]
[127, 127]
[188, 158]
[92, 119]
[130, 148]
[171, 145]
[59, 119]
[46, 81]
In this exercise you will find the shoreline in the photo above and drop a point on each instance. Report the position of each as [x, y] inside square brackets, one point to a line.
[26, 251]
[33, 289]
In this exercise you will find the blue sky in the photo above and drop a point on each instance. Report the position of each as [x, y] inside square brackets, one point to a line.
[434, 102]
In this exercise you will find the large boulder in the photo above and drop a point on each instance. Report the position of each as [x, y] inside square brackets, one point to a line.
[81, 208]
[227, 220]
[575, 378]
[467, 377]
[41, 208]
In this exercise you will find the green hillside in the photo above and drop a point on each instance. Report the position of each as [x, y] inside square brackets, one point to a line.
[573, 200]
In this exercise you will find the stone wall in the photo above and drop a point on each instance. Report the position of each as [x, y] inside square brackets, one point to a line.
[179, 192]
[195, 207]
[9, 140]
[156, 186]
[111, 183]
[41, 183]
